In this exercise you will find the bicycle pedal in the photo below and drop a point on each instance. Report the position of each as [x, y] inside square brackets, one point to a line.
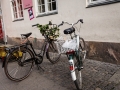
[38, 59]
[81, 67]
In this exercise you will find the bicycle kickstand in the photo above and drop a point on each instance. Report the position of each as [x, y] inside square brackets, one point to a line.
[39, 67]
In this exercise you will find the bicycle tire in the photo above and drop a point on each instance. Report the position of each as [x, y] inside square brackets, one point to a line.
[78, 81]
[15, 69]
[52, 53]
[78, 73]
[82, 44]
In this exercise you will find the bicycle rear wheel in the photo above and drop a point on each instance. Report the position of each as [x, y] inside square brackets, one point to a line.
[52, 53]
[82, 44]
[19, 67]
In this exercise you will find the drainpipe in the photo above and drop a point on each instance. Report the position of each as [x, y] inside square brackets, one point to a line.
[3, 26]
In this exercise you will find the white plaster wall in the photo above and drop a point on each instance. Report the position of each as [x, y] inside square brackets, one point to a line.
[101, 23]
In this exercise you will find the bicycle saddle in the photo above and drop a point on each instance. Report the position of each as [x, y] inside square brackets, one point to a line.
[69, 30]
[26, 35]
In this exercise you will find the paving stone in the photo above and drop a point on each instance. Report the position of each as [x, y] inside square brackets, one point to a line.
[97, 89]
[116, 77]
[109, 86]
[117, 87]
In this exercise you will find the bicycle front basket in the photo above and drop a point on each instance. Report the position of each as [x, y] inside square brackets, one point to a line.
[70, 44]
[61, 49]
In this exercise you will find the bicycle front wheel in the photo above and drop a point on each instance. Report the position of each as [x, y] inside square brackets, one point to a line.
[78, 72]
[78, 81]
[52, 53]
[18, 65]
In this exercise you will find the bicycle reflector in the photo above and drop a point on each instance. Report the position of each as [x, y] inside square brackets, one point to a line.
[71, 63]
[70, 52]
[71, 67]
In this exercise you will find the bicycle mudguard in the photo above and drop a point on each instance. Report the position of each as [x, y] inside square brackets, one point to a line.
[8, 50]
[3, 59]
[72, 69]
[3, 64]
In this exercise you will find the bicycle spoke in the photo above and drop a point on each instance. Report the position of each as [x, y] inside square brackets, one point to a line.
[16, 70]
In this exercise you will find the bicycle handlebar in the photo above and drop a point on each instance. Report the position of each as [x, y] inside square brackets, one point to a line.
[60, 24]
[80, 20]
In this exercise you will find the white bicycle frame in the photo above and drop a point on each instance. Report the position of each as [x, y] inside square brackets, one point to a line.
[71, 61]
[72, 64]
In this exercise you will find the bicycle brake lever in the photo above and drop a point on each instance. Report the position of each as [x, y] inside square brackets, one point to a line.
[81, 20]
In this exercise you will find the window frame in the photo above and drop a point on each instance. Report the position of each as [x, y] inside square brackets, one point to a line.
[12, 12]
[47, 12]
[90, 3]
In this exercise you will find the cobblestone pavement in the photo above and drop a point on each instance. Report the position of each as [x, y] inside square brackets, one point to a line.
[96, 76]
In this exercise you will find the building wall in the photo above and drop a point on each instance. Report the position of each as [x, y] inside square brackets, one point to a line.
[101, 23]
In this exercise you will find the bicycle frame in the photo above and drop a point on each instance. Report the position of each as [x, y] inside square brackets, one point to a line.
[26, 45]
[44, 49]
[77, 50]
[74, 53]
[71, 55]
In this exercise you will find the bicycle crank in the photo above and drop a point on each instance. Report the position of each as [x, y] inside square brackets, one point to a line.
[38, 59]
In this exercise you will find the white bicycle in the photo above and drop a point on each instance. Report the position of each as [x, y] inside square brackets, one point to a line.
[76, 52]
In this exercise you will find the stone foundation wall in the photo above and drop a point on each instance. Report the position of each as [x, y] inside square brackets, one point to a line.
[102, 51]
[37, 43]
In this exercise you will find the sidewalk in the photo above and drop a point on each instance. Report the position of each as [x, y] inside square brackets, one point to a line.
[96, 76]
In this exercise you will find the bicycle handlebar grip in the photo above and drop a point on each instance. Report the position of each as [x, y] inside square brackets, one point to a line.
[60, 24]
[35, 25]
[81, 20]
